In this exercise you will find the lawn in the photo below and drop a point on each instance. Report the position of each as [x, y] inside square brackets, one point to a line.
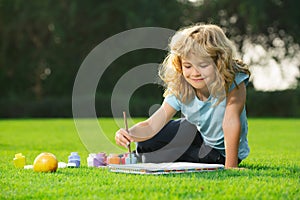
[273, 167]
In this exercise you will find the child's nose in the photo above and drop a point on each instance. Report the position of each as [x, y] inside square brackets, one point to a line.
[196, 71]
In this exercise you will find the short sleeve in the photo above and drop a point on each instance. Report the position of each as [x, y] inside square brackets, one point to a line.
[173, 101]
[239, 78]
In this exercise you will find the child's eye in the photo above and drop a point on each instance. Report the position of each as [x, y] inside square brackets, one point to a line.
[187, 66]
[204, 65]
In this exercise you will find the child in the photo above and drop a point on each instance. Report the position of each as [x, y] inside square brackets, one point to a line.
[205, 81]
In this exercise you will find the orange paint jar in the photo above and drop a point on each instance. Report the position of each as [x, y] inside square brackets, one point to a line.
[113, 159]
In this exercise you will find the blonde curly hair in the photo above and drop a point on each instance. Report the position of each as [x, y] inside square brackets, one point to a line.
[207, 41]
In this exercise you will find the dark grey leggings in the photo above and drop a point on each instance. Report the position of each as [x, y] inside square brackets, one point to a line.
[178, 141]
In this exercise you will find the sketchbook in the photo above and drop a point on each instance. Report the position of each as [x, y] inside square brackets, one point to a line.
[164, 168]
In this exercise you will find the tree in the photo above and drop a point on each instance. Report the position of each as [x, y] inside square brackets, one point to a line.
[270, 24]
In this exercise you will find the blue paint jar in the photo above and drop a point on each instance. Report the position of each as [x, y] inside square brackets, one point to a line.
[130, 159]
[74, 158]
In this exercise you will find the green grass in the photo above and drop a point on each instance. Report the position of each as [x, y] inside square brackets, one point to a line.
[272, 167]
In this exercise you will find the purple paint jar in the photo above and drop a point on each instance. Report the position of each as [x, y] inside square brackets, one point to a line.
[100, 159]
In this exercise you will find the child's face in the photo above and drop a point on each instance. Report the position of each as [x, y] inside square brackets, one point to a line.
[198, 72]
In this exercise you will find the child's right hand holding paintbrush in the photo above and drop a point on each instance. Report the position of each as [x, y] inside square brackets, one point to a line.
[146, 129]
[122, 138]
[136, 133]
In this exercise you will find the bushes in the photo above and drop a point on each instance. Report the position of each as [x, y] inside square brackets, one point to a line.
[47, 107]
[61, 107]
[259, 104]
[273, 104]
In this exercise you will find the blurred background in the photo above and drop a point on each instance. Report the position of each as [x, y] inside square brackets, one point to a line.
[43, 44]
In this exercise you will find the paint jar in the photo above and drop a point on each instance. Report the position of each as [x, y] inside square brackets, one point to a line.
[100, 159]
[19, 160]
[123, 158]
[90, 160]
[74, 158]
[130, 159]
[113, 159]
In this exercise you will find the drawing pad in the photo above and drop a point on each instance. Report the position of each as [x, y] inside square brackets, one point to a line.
[164, 168]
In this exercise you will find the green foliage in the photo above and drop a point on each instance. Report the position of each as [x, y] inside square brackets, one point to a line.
[273, 104]
[39, 36]
[43, 44]
[272, 169]
[253, 18]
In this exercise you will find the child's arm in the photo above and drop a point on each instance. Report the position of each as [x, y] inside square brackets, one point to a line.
[232, 125]
[146, 129]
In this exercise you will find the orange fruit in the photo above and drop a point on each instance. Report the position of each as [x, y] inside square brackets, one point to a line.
[45, 162]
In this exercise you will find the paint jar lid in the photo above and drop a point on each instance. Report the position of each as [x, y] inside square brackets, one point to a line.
[92, 155]
[74, 156]
[19, 155]
[113, 155]
[101, 154]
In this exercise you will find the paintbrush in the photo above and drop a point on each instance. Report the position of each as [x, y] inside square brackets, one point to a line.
[126, 128]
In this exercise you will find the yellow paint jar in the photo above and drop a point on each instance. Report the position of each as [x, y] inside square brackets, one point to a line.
[19, 160]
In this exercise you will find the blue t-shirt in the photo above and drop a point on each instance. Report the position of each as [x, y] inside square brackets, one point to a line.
[209, 119]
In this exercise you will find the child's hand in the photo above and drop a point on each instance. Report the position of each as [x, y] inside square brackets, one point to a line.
[122, 138]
